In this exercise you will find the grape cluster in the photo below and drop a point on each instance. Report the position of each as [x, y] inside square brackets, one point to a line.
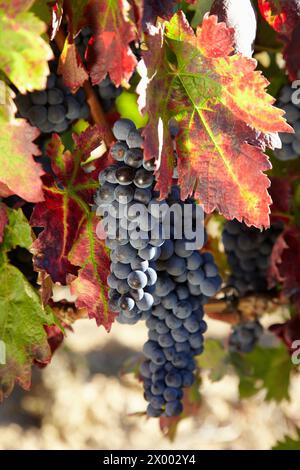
[123, 198]
[245, 336]
[55, 108]
[186, 280]
[248, 252]
[154, 277]
[290, 142]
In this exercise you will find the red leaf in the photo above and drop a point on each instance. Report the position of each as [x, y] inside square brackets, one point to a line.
[240, 16]
[288, 332]
[90, 286]
[110, 51]
[281, 194]
[3, 220]
[18, 170]
[63, 212]
[221, 106]
[71, 66]
[5, 191]
[55, 337]
[282, 15]
[285, 262]
[68, 245]
[15, 7]
[291, 54]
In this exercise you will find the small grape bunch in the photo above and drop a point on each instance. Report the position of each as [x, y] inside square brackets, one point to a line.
[245, 336]
[248, 253]
[55, 108]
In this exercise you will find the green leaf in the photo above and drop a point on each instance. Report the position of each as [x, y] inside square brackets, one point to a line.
[14, 7]
[200, 7]
[213, 358]
[22, 334]
[42, 9]
[264, 368]
[17, 232]
[23, 53]
[288, 443]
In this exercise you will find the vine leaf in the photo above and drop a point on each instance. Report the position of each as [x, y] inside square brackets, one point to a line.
[23, 52]
[220, 104]
[291, 53]
[3, 220]
[240, 16]
[67, 248]
[284, 264]
[75, 10]
[57, 15]
[18, 170]
[71, 67]
[284, 18]
[264, 368]
[280, 14]
[22, 317]
[91, 284]
[22, 321]
[288, 332]
[109, 52]
[289, 443]
[152, 9]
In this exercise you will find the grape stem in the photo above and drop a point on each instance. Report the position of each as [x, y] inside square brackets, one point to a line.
[249, 307]
[93, 102]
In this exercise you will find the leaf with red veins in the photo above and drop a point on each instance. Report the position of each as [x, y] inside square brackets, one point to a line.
[109, 52]
[221, 106]
[282, 15]
[67, 203]
[284, 264]
[90, 287]
[3, 220]
[18, 170]
[60, 216]
[71, 67]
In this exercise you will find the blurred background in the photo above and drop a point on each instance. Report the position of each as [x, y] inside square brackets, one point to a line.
[82, 400]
